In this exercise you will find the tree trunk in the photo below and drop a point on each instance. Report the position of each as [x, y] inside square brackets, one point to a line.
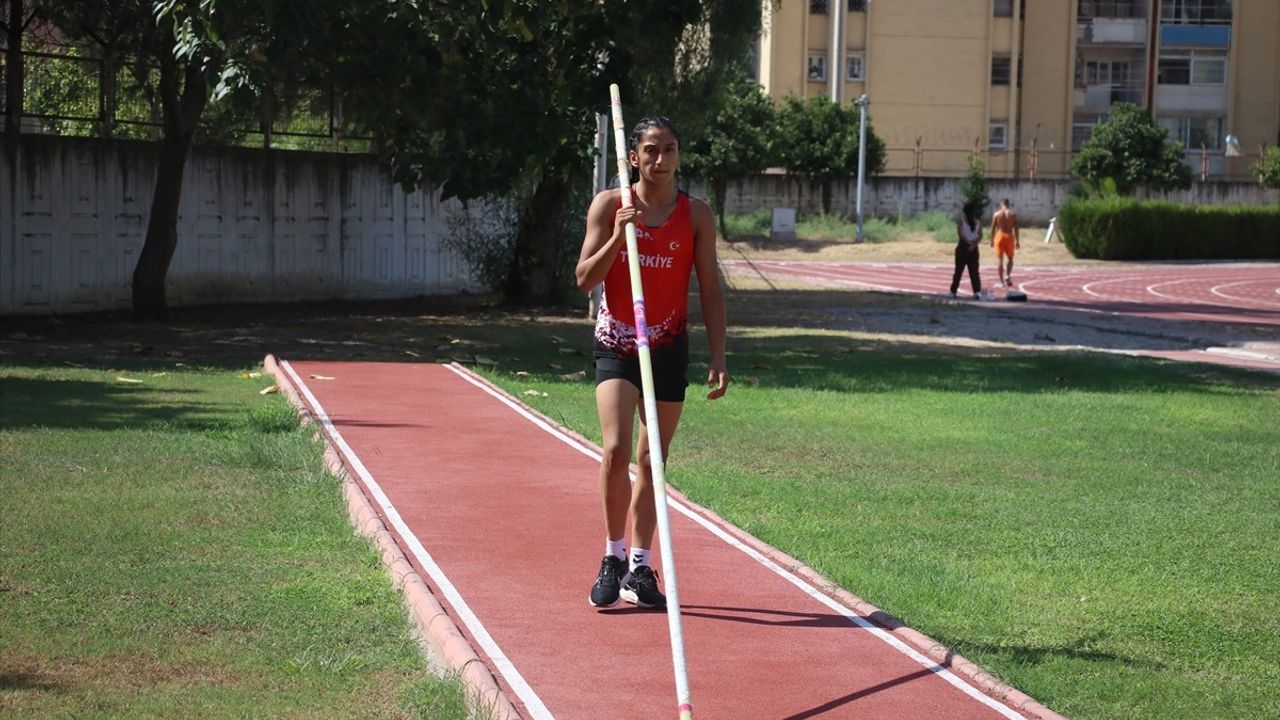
[719, 186]
[182, 110]
[826, 197]
[533, 277]
[152, 270]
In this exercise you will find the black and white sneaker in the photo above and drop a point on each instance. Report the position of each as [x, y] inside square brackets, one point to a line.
[605, 592]
[641, 589]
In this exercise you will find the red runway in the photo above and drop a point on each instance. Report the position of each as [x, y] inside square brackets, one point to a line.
[499, 511]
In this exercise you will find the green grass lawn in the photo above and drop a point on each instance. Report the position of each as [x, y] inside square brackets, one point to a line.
[939, 225]
[174, 546]
[1100, 532]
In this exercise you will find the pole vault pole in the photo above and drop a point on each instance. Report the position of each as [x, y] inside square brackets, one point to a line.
[684, 704]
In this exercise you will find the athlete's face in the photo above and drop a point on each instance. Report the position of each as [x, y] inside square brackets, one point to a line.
[657, 155]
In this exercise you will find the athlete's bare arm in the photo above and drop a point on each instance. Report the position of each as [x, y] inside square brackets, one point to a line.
[710, 294]
[605, 238]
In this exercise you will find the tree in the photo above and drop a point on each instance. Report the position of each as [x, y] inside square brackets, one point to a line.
[739, 142]
[194, 43]
[523, 80]
[818, 141]
[1133, 151]
[973, 186]
[1268, 169]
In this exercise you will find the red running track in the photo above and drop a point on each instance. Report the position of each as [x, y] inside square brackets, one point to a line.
[1234, 293]
[499, 512]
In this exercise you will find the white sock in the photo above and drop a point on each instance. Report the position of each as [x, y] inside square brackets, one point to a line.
[639, 556]
[616, 548]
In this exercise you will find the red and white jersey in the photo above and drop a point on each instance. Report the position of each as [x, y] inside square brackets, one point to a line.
[666, 263]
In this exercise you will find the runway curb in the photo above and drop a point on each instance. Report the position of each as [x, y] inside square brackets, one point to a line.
[936, 651]
[445, 641]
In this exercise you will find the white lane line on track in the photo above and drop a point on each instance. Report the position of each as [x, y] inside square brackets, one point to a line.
[1217, 290]
[795, 580]
[500, 660]
[1195, 301]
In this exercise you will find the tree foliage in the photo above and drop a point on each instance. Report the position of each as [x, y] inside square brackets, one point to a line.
[818, 141]
[973, 185]
[1268, 169]
[1133, 151]
[739, 142]
[481, 99]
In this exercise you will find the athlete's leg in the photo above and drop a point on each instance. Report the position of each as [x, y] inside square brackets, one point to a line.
[644, 515]
[616, 401]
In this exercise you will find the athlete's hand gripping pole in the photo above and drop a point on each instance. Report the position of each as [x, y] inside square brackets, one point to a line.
[684, 703]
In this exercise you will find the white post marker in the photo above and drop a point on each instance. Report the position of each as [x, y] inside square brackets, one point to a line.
[684, 704]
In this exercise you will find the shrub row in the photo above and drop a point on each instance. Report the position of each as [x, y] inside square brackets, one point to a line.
[1126, 229]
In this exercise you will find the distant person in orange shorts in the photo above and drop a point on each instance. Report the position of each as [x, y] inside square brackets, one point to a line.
[1005, 239]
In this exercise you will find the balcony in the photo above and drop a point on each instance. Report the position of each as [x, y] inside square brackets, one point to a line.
[1112, 31]
[1103, 96]
[1196, 36]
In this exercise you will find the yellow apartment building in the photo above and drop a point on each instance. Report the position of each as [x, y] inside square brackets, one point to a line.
[1025, 81]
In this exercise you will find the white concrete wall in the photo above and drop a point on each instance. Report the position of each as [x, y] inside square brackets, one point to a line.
[252, 228]
[1036, 201]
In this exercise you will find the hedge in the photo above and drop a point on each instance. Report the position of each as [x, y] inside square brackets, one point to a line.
[1126, 229]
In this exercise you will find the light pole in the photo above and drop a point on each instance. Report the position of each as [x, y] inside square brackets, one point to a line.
[862, 102]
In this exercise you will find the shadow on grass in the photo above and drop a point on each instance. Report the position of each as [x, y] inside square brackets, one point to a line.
[778, 339]
[18, 680]
[56, 403]
[1039, 654]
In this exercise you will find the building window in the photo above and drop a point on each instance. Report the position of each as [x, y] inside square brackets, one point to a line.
[1001, 70]
[1082, 129]
[998, 137]
[1194, 132]
[855, 67]
[1192, 69]
[1004, 8]
[751, 70]
[1195, 12]
[857, 5]
[817, 67]
[1090, 9]
[818, 7]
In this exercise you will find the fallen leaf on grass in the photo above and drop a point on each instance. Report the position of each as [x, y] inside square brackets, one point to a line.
[554, 366]
[487, 362]
[534, 393]
[271, 390]
[159, 374]
[250, 375]
[580, 375]
[570, 351]
[556, 339]
[751, 381]
[521, 373]
[131, 381]
[411, 353]
[322, 377]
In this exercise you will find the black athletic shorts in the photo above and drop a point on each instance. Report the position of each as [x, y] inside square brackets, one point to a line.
[669, 379]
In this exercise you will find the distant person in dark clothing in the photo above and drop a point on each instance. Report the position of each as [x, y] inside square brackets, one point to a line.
[969, 230]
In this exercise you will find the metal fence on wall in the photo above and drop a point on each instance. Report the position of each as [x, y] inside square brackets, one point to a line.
[67, 91]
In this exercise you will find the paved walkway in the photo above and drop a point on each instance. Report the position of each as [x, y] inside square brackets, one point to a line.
[498, 510]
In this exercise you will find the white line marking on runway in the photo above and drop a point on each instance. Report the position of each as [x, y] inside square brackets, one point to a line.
[500, 660]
